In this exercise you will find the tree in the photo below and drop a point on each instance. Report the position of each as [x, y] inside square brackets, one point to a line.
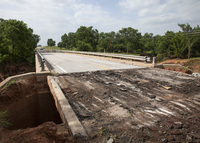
[131, 39]
[71, 40]
[106, 42]
[17, 42]
[64, 41]
[87, 35]
[51, 42]
[190, 36]
[149, 44]
[178, 45]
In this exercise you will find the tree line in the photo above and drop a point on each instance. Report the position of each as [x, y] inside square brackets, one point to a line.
[17, 42]
[182, 44]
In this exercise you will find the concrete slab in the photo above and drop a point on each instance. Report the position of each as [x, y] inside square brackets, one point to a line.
[66, 112]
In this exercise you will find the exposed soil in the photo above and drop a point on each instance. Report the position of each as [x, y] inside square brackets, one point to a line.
[31, 113]
[190, 64]
[7, 70]
[48, 132]
[137, 105]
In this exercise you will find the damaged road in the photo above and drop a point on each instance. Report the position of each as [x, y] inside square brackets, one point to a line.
[135, 105]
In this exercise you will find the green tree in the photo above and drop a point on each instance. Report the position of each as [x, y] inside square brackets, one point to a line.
[17, 42]
[150, 43]
[190, 36]
[178, 45]
[106, 42]
[131, 39]
[71, 41]
[64, 40]
[87, 35]
[51, 42]
[164, 48]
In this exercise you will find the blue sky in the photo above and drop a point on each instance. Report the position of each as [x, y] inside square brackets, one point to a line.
[53, 18]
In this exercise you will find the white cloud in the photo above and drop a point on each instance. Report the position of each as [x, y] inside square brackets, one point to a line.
[158, 16]
[130, 5]
[53, 18]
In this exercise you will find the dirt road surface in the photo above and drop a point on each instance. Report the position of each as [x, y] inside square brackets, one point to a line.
[135, 105]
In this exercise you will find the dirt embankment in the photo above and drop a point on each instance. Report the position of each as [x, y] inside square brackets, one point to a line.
[191, 65]
[47, 132]
[32, 114]
[7, 70]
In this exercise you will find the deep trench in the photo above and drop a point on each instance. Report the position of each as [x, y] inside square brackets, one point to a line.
[32, 111]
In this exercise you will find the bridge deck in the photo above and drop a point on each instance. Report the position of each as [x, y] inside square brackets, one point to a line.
[135, 105]
[69, 63]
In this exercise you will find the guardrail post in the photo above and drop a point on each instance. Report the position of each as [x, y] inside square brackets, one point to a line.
[42, 65]
[41, 60]
[146, 59]
[154, 60]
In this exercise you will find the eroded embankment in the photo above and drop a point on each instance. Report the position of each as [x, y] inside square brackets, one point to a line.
[31, 110]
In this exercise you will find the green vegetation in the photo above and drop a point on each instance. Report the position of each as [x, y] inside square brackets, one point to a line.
[51, 42]
[53, 48]
[182, 44]
[7, 85]
[3, 119]
[17, 42]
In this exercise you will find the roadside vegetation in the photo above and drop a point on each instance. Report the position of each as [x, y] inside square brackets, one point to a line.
[182, 44]
[17, 45]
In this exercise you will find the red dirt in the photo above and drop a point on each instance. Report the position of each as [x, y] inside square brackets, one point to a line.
[27, 108]
[48, 132]
[14, 69]
[193, 64]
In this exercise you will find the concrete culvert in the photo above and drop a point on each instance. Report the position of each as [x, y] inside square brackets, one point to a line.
[28, 103]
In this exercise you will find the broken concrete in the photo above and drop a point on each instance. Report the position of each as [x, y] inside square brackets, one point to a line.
[132, 105]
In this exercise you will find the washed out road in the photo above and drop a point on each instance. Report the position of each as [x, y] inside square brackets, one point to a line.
[68, 63]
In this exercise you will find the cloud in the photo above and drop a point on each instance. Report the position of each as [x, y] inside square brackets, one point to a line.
[53, 18]
[130, 5]
[158, 16]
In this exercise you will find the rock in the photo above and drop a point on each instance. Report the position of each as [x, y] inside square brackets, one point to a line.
[110, 140]
[152, 96]
[107, 83]
[75, 93]
[167, 87]
[123, 89]
[157, 99]
[195, 74]
[178, 125]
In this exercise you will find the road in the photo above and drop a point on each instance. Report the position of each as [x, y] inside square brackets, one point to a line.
[68, 63]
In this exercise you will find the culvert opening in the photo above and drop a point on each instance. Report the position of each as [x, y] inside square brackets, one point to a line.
[32, 111]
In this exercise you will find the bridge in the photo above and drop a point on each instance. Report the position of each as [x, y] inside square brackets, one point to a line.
[103, 96]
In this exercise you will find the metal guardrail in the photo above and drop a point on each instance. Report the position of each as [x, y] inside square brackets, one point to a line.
[41, 60]
[119, 56]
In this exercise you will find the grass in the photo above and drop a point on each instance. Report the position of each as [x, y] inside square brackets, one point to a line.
[196, 58]
[3, 119]
[186, 68]
[53, 48]
[7, 85]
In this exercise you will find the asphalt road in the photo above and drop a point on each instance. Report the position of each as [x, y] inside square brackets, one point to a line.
[68, 63]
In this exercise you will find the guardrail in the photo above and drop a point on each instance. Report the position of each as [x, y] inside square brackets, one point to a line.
[41, 60]
[119, 56]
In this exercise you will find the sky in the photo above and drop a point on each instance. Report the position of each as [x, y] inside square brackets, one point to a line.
[53, 18]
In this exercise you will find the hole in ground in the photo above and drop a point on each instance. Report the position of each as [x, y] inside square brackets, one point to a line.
[32, 111]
